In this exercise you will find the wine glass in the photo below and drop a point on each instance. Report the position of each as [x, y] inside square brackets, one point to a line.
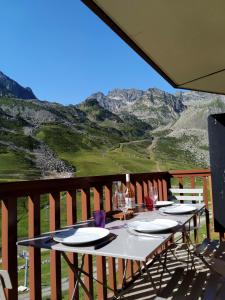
[122, 205]
[153, 193]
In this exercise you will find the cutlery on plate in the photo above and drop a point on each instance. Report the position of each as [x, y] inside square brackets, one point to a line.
[134, 232]
[105, 242]
[162, 213]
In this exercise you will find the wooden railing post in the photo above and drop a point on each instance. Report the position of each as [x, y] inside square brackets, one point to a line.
[71, 207]
[100, 260]
[139, 192]
[55, 258]
[9, 248]
[165, 186]
[34, 253]
[145, 188]
[111, 260]
[160, 189]
[206, 201]
[86, 213]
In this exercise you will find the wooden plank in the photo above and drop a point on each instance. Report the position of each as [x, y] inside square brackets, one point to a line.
[145, 188]
[139, 193]
[108, 197]
[206, 201]
[184, 286]
[155, 183]
[211, 196]
[133, 267]
[55, 257]
[197, 287]
[196, 172]
[192, 180]
[167, 291]
[112, 273]
[111, 260]
[165, 189]
[34, 253]
[9, 248]
[195, 218]
[100, 261]
[150, 184]
[71, 210]
[71, 207]
[121, 267]
[86, 214]
[27, 188]
[135, 192]
[98, 197]
[160, 189]
[129, 273]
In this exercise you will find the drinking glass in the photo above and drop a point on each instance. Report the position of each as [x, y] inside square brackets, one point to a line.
[122, 205]
[153, 194]
[99, 218]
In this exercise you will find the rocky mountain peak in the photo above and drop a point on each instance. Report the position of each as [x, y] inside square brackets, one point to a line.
[153, 106]
[129, 95]
[155, 91]
[10, 88]
[98, 96]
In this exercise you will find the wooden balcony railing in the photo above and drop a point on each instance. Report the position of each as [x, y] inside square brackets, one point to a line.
[80, 196]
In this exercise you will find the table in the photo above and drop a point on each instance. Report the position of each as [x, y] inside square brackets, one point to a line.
[125, 245]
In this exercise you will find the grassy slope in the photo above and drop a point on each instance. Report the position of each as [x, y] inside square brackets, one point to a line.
[95, 155]
[169, 156]
[16, 165]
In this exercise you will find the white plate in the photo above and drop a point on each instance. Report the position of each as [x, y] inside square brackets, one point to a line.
[179, 209]
[156, 225]
[163, 203]
[81, 235]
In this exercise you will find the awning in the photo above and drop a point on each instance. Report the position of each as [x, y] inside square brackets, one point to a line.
[183, 40]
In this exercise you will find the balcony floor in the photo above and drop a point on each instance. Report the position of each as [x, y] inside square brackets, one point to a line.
[141, 289]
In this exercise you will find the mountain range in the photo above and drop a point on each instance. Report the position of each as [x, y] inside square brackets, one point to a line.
[127, 130]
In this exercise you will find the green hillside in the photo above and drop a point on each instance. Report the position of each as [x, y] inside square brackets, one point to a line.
[98, 152]
[87, 137]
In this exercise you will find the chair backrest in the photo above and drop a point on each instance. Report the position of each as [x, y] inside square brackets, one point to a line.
[188, 195]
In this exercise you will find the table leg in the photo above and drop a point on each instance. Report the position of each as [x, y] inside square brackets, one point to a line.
[78, 272]
[150, 276]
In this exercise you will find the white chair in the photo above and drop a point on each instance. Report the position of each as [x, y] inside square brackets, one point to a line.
[189, 195]
[4, 282]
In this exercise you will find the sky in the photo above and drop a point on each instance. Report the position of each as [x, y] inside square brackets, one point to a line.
[64, 52]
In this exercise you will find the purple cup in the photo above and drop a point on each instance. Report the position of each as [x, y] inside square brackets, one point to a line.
[99, 218]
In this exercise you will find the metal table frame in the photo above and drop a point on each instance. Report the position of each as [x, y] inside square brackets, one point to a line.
[118, 248]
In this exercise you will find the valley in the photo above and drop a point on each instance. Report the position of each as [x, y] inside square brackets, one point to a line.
[125, 131]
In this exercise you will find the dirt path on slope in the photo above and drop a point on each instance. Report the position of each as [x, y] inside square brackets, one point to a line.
[150, 149]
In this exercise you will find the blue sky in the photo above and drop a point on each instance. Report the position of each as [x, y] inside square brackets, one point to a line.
[65, 53]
